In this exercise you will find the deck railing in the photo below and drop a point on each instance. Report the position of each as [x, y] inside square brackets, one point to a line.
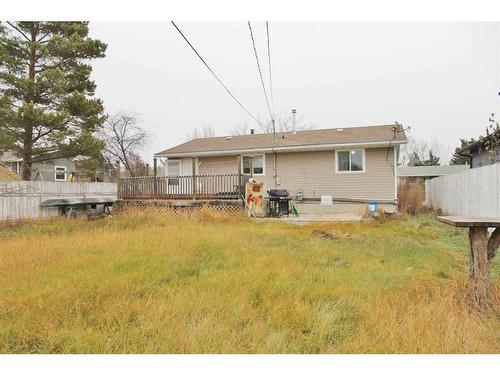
[223, 186]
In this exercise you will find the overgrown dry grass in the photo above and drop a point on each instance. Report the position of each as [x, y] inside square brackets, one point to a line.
[411, 198]
[218, 285]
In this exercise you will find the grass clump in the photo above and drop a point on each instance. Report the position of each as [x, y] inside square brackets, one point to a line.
[217, 285]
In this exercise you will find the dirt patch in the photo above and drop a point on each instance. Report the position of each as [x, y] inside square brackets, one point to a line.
[330, 234]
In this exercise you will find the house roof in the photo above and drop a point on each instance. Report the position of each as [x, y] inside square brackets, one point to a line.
[430, 170]
[307, 139]
[7, 175]
[9, 156]
[479, 143]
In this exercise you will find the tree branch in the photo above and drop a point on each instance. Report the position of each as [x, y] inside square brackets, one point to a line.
[54, 66]
[19, 31]
[43, 37]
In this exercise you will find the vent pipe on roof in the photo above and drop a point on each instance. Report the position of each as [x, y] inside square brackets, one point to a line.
[294, 112]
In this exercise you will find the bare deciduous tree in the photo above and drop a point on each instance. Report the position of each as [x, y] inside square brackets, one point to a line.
[493, 135]
[204, 132]
[241, 128]
[124, 139]
[419, 152]
[283, 123]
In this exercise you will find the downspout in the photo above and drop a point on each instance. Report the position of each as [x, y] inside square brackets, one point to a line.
[275, 172]
[469, 156]
[396, 177]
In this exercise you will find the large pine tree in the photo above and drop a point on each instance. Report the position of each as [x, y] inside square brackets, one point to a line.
[47, 108]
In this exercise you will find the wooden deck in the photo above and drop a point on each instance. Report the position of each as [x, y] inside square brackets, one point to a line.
[197, 187]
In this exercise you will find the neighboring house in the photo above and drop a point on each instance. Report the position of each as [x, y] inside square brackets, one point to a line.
[63, 169]
[408, 175]
[352, 164]
[482, 153]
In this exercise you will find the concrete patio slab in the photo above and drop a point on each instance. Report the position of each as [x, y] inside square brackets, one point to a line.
[316, 218]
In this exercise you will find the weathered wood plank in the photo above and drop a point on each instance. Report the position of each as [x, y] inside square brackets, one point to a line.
[474, 192]
[462, 221]
[479, 266]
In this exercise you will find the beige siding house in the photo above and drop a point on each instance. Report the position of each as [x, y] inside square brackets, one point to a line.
[352, 164]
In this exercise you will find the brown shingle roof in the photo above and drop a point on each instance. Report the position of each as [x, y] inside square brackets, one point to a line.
[361, 135]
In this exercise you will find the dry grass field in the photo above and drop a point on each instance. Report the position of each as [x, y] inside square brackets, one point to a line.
[219, 285]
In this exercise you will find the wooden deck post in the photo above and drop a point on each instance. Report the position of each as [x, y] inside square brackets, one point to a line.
[240, 179]
[117, 177]
[193, 174]
[155, 177]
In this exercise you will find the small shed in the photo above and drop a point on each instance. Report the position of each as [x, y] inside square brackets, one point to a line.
[409, 175]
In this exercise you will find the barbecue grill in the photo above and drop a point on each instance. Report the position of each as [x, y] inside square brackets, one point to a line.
[279, 202]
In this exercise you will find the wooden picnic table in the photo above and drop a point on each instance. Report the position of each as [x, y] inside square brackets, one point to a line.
[481, 250]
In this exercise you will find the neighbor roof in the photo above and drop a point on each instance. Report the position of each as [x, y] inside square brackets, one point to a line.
[379, 134]
[7, 175]
[430, 170]
[479, 143]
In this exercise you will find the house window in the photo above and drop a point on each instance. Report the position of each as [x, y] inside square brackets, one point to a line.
[173, 170]
[350, 161]
[14, 166]
[255, 162]
[60, 173]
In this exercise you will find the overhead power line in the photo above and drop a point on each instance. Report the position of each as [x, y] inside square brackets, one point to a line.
[269, 62]
[213, 73]
[260, 72]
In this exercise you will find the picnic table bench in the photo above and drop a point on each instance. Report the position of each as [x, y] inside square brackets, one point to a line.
[481, 250]
[67, 205]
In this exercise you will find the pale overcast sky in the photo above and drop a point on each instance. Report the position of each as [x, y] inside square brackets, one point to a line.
[442, 79]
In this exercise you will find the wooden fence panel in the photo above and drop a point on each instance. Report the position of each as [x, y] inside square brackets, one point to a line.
[474, 192]
[21, 200]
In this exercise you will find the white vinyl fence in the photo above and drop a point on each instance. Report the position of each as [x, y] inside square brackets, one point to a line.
[21, 199]
[474, 192]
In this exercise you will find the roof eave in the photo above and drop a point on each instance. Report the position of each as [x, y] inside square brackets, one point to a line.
[476, 144]
[279, 149]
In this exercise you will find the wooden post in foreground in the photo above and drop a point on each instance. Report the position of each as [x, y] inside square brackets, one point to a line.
[479, 266]
[155, 175]
[482, 250]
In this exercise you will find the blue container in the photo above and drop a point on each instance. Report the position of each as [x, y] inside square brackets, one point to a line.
[372, 207]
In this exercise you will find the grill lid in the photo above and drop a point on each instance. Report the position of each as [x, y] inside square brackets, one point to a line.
[278, 193]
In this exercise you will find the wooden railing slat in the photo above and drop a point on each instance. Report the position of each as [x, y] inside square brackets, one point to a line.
[195, 186]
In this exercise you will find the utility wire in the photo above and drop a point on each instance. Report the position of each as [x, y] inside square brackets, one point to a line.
[269, 62]
[215, 75]
[260, 72]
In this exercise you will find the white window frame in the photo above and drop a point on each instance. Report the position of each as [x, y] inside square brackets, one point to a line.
[363, 153]
[263, 165]
[179, 161]
[174, 181]
[65, 173]
[14, 164]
